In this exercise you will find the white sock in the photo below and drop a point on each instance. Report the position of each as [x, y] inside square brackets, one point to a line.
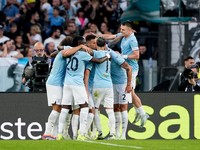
[136, 109]
[75, 122]
[51, 121]
[67, 124]
[124, 123]
[83, 120]
[97, 121]
[62, 119]
[141, 111]
[118, 122]
[111, 122]
[54, 132]
[94, 128]
[89, 121]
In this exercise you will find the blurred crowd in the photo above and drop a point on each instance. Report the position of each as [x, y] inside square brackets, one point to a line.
[25, 22]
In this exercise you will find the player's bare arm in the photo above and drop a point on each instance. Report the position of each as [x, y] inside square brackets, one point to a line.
[86, 79]
[53, 55]
[115, 41]
[100, 60]
[128, 68]
[106, 36]
[71, 51]
[135, 55]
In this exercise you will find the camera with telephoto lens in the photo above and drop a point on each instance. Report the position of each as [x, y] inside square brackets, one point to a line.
[189, 74]
[40, 69]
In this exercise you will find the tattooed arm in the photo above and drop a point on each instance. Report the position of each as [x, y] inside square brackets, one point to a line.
[115, 41]
[128, 68]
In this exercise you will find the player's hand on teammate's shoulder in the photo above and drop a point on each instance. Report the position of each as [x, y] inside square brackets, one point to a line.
[109, 56]
[87, 49]
[60, 48]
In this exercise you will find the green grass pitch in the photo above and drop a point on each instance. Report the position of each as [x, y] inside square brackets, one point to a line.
[100, 145]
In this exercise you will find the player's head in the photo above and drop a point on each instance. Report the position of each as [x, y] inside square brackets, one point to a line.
[101, 41]
[91, 41]
[66, 41]
[39, 49]
[78, 40]
[126, 28]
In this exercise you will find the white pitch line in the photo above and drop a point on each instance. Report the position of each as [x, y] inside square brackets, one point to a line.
[113, 144]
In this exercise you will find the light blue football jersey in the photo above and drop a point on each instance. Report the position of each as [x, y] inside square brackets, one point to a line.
[58, 70]
[128, 45]
[76, 67]
[102, 76]
[118, 74]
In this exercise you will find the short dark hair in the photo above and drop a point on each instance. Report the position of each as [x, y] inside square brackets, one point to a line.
[101, 41]
[67, 24]
[90, 37]
[187, 58]
[56, 8]
[55, 28]
[76, 40]
[18, 35]
[128, 24]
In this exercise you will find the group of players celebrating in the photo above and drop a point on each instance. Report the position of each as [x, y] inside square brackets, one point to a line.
[84, 77]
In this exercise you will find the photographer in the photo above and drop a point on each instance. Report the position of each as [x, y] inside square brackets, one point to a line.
[191, 82]
[39, 59]
[188, 61]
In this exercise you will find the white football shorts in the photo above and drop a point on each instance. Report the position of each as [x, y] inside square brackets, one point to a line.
[120, 96]
[74, 107]
[54, 94]
[103, 96]
[90, 102]
[74, 95]
[133, 81]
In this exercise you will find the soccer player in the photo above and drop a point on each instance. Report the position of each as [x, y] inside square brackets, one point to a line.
[74, 91]
[102, 89]
[76, 108]
[88, 80]
[130, 51]
[89, 72]
[54, 87]
[121, 74]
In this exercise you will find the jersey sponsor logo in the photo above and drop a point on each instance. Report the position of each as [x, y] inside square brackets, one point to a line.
[72, 75]
[106, 76]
